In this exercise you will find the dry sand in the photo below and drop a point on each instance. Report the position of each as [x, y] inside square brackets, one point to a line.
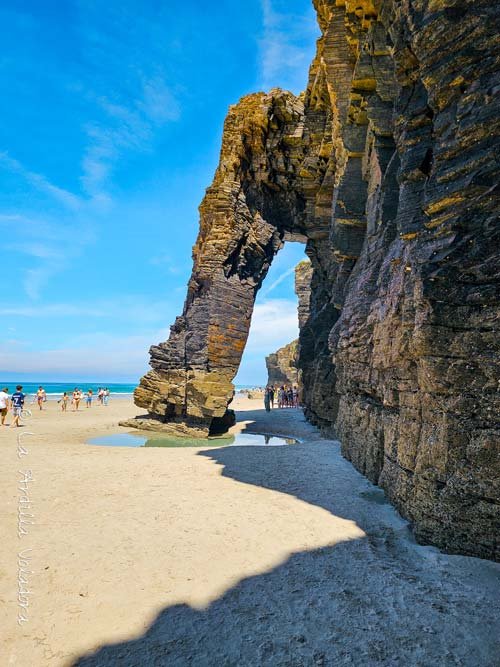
[223, 556]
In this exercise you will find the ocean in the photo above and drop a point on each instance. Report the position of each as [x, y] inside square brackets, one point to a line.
[55, 390]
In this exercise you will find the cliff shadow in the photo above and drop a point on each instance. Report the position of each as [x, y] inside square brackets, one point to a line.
[375, 600]
[289, 422]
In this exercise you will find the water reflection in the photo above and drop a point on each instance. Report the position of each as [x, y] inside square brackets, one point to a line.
[157, 440]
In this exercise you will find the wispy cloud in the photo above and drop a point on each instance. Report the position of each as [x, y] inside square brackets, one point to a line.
[103, 354]
[124, 128]
[130, 309]
[37, 278]
[46, 244]
[132, 96]
[165, 262]
[50, 260]
[98, 355]
[286, 46]
[274, 324]
[279, 280]
[40, 182]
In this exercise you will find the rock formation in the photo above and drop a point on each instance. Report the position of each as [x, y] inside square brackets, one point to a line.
[282, 365]
[387, 167]
[303, 277]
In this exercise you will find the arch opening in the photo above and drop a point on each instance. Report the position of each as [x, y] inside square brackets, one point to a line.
[275, 323]
[263, 194]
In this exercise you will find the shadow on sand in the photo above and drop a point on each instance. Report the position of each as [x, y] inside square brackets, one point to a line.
[377, 600]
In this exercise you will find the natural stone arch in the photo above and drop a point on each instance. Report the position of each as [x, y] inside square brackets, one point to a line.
[388, 166]
[274, 161]
[290, 167]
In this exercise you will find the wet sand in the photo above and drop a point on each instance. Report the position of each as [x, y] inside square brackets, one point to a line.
[222, 556]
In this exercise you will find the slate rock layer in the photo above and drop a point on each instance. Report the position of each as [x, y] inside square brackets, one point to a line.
[387, 167]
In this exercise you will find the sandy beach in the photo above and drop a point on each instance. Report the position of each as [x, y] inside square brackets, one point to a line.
[221, 556]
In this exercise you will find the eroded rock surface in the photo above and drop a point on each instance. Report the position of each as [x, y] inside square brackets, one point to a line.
[275, 158]
[387, 167]
[282, 365]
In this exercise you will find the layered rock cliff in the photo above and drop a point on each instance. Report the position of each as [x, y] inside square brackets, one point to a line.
[282, 365]
[387, 167]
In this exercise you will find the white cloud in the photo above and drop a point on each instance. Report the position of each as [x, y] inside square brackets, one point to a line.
[274, 324]
[286, 47]
[98, 355]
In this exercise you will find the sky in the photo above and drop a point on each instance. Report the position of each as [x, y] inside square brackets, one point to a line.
[111, 117]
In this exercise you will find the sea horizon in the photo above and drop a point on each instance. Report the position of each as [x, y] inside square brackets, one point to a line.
[54, 390]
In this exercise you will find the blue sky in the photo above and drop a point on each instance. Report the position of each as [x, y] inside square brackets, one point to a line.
[110, 124]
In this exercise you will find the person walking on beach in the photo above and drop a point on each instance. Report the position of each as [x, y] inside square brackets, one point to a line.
[17, 405]
[267, 399]
[64, 401]
[281, 394]
[41, 397]
[88, 398]
[105, 396]
[4, 404]
[100, 395]
[77, 396]
[271, 395]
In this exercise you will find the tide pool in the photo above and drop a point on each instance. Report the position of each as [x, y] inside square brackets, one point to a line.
[160, 440]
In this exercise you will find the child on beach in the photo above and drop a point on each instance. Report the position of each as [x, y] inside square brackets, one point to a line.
[88, 398]
[4, 404]
[17, 404]
[64, 401]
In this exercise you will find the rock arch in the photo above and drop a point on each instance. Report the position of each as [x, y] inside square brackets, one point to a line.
[387, 166]
[275, 159]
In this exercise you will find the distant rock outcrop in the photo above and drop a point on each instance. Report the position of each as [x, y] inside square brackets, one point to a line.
[282, 365]
[387, 168]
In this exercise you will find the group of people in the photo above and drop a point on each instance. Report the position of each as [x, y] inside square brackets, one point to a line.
[287, 397]
[78, 395]
[17, 400]
[14, 402]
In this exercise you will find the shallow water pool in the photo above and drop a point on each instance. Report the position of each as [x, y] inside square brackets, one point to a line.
[160, 440]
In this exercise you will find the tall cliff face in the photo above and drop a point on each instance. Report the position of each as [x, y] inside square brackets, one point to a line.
[416, 345]
[387, 168]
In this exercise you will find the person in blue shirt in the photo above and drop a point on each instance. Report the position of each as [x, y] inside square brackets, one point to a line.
[17, 402]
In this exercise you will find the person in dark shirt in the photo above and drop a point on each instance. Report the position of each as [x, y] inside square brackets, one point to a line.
[17, 401]
[267, 399]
